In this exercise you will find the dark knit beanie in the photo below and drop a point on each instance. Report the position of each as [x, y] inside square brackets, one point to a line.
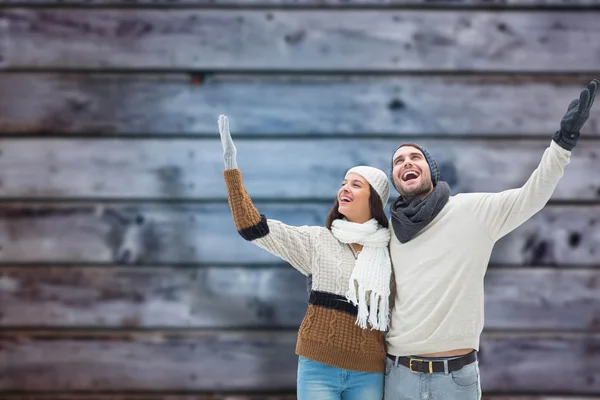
[433, 168]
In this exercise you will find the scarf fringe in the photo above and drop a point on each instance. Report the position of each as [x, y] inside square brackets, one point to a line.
[373, 309]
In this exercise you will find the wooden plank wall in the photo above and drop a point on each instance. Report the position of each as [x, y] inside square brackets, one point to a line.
[121, 274]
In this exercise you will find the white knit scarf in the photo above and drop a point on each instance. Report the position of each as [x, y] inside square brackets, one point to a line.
[369, 285]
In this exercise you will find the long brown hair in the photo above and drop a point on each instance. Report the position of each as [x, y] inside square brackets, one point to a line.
[375, 205]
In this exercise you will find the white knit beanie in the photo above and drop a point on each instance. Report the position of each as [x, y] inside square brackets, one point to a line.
[376, 178]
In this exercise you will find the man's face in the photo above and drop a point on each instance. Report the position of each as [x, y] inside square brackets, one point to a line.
[411, 174]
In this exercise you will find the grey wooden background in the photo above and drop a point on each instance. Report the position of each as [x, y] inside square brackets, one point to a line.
[121, 274]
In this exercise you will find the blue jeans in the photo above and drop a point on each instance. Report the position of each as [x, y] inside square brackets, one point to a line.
[318, 381]
[402, 384]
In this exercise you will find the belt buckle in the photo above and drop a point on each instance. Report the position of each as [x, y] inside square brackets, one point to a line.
[418, 372]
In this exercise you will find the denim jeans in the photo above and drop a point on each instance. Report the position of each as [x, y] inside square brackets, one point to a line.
[402, 384]
[318, 381]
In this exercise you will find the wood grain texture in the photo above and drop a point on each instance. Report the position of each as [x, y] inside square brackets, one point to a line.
[202, 360]
[450, 4]
[540, 397]
[286, 395]
[282, 169]
[240, 396]
[205, 233]
[168, 396]
[302, 40]
[259, 297]
[148, 361]
[218, 396]
[103, 104]
[236, 297]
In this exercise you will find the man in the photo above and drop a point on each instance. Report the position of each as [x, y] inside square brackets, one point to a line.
[440, 249]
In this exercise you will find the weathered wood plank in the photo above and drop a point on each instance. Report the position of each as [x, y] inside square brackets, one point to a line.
[168, 396]
[300, 40]
[259, 297]
[218, 396]
[152, 297]
[205, 233]
[542, 299]
[215, 396]
[148, 361]
[99, 104]
[529, 356]
[540, 397]
[450, 4]
[192, 169]
[535, 363]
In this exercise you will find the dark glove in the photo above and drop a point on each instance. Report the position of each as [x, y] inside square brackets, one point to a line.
[577, 113]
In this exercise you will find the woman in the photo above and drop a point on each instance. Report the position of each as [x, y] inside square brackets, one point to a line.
[341, 339]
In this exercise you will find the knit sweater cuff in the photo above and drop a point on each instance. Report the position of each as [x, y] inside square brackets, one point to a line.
[256, 231]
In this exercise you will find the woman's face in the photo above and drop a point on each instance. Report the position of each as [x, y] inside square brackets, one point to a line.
[353, 198]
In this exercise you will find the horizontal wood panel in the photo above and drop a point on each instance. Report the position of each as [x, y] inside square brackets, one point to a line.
[322, 3]
[282, 169]
[366, 40]
[215, 396]
[204, 361]
[259, 297]
[99, 104]
[152, 297]
[168, 396]
[239, 396]
[149, 361]
[205, 233]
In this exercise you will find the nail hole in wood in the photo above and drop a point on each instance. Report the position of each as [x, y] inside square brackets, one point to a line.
[197, 79]
[396, 104]
[574, 239]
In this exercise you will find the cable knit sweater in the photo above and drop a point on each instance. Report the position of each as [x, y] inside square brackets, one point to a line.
[328, 332]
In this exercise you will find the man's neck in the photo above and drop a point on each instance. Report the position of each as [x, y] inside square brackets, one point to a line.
[407, 199]
[421, 197]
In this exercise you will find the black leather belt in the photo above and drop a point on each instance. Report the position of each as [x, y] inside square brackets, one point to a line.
[421, 366]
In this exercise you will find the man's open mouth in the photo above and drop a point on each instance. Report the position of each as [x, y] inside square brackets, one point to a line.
[410, 175]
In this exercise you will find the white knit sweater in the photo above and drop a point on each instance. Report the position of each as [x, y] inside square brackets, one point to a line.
[439, 301]
[312, 250]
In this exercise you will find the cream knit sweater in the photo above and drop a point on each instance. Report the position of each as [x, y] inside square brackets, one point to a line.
[439, 302]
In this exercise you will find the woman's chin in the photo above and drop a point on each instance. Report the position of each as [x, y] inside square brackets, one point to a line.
[343, 209]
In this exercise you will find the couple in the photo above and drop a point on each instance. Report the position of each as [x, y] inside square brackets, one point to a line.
[396, 307]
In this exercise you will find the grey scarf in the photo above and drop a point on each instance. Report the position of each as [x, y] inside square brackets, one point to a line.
[409, 217]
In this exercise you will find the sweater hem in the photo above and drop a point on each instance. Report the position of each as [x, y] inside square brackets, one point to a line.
[340, 358]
